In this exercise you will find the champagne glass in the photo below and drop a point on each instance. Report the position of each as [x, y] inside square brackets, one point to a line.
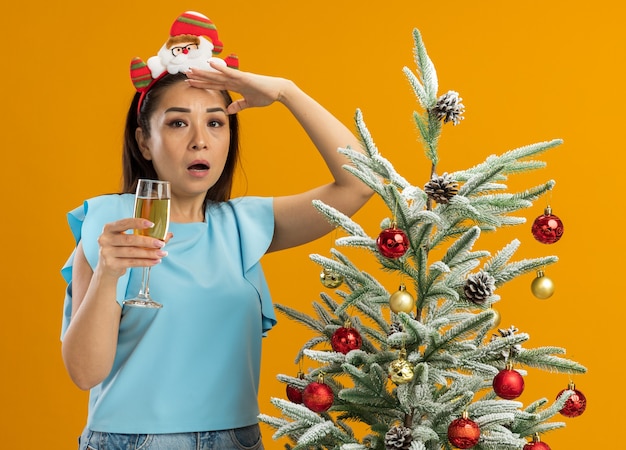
[152, 202]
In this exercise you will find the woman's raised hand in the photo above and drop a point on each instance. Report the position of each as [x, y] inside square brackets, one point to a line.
[256, 90]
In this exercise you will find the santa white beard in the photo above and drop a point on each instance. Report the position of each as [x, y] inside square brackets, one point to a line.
[198, 58]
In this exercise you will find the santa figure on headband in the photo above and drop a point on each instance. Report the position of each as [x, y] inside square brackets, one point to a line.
[193, 42]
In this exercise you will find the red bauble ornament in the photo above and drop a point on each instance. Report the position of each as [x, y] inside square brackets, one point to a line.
[294, 394]
[547, 228]
[392, 242]
[463, 432]
[318, 397]
[536, 444]
[345, 339]
[576, 404]
[508, 383]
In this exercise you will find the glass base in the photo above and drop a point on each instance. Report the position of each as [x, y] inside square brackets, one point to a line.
[142, 303]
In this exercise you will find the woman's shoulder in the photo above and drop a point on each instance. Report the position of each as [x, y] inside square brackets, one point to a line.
[104, 202]
[249, 203]
[110, 201]
[103, 207]
[255, 222]
[244, 209]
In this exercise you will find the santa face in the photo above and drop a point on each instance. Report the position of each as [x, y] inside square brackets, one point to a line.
[181, 53]
[185, 49]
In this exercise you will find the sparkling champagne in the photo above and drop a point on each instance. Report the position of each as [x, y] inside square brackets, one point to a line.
[156, 211]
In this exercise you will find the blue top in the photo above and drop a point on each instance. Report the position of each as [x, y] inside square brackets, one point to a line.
[194, 364]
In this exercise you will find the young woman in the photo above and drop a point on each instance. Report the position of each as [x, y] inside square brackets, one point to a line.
[186, 375]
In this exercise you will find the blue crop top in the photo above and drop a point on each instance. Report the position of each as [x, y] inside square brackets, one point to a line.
[194, 364]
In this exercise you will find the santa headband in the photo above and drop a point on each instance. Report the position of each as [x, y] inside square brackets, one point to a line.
[193, 42]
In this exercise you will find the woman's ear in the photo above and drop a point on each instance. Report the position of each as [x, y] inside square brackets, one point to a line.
[143, 144]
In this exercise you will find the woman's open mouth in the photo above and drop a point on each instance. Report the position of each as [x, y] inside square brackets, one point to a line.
[199, 168]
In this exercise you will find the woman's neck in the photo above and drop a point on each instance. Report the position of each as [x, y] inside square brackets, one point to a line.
[186, 211]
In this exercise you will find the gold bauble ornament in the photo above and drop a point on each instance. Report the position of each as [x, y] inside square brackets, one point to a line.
[401, 301]
[542, 287]
[400, 371]
[496, 318]
[330, 278]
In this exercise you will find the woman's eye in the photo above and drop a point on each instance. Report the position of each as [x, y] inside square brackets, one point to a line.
[215, 124]
[177, 124]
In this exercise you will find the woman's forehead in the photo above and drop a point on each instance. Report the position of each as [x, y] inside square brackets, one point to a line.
[182, 94]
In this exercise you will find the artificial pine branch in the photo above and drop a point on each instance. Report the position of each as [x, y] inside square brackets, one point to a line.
[549, 362]
[515, 269]
[509, 161]
[475, 182]
[534, 193]
[298, 316]
[339, 219]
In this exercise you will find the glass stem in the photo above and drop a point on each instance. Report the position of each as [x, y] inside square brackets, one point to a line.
[144, 292]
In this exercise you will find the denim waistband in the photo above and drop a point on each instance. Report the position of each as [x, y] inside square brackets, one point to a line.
[245, 438]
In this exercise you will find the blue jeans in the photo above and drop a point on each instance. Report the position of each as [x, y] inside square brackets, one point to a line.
[246, 438]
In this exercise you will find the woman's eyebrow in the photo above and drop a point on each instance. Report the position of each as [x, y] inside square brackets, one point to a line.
[177, 109]
[187, 110]
[216, 109]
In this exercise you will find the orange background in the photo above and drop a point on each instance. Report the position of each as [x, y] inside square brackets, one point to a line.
[527, 71]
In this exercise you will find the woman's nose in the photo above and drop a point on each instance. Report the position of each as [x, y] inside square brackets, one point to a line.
[199, 141]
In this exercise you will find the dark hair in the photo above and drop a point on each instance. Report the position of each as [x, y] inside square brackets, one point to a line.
[135, 166]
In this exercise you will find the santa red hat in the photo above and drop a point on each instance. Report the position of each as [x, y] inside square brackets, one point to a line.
[196, 24]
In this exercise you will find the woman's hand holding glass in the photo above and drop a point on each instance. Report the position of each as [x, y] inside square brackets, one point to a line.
[120, 250]
[152, 203]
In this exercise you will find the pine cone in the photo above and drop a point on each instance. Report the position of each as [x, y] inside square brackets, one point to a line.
[511, 351]
[479, 287]
[398, 438]
[508, 332]
[395, 327]
[449, 108]
[441, 189]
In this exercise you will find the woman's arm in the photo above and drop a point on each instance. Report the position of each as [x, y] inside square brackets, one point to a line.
[296, 220]
[90, 342]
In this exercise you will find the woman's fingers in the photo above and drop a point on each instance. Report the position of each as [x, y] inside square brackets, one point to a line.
[124, 225]
[237, 106]
[208, 79]
[120, 249]
[256, 90]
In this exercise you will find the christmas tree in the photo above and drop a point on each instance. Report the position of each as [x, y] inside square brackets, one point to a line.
[429, 370]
